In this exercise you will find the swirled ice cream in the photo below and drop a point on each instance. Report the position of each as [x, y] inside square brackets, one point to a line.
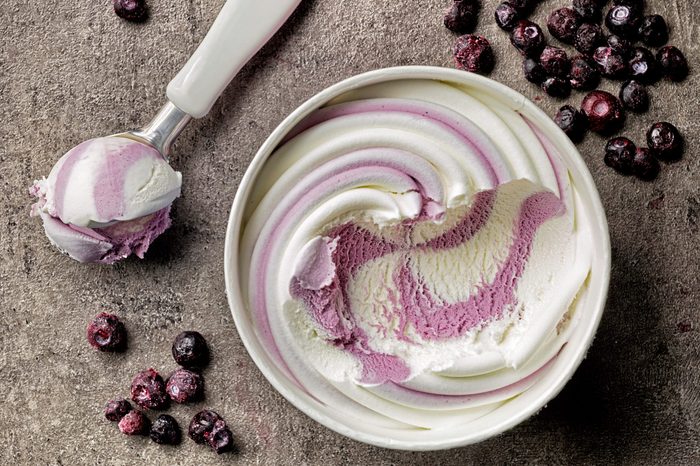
[411, 254]
[106, 199]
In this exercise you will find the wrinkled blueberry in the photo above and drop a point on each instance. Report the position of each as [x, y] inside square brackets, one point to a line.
[507, 16]
[534, 72]
[220, 438]
[589, 10]
[611, 64]
[673, 63]
[117, 409]
[473, 53]
[584, 75]
[524, 7]
[643, 66]
[148, 390]
[557, 87]
[563, 23]
[202, 424]
[619, 155]
[190, 349]
[620, 46]
[528, 38]
[572, 122]
[461, 17]
[588, 38]
[653, 31]
[185, 386]
[665, 141]
[555, 61]
[134, 423]
[645, 166]
[107, 333]
[132, 10]
[604, 111]
[165, 430]
[634, 96]
[624, 21]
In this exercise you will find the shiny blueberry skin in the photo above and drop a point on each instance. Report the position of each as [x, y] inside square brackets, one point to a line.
[557, 87]
[461, 17]
[148, 390]
[643, 66]
[534, 72]
[572, 122]
[634, 96]
[604, 111]
[665, 141]
[190, 349]
[473, 53]
[107, 333]
[588, 38]
[653, 31]
[165, 430]
[584, 75]
[131, 10]
[528, 38]
[563, 24]
[507, 16]
[624, 21]
[645, 166]
[611, 64]
[673, 63]
[619, 155]
[555, 62]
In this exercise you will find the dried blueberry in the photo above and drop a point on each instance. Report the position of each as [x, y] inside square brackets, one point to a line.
[611, 64]
[638, 4]
[528, 38]
[220, 438]
[588, 38]
[190, 349]
[134, 423]
[185, 386]
[619, 155]
[589, 10]
[604, 111]
[620, 46]
[107, 333]
[202, 424]
[665, 141]
[555, 61]
[473, 53]
[117, 409]
[624, 20]
[524, 7]
[165, 430]
[557, 87]
[534, 72]
[645, 166]
[572, 122]
[643, 66]
[673, 63]
[634, 96]
[653, 31]
[461, 17]
[584, 76]
[563, 23]
[507, 16]
[132, 10]
[148, 390]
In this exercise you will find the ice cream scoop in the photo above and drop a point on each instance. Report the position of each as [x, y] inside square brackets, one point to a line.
[110, 197]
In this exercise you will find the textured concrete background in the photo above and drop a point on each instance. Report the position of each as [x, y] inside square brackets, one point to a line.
[70, 71]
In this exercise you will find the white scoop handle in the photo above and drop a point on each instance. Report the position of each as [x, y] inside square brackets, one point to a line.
[240, 30]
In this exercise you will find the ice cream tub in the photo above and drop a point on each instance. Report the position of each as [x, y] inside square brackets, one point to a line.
[417, 258]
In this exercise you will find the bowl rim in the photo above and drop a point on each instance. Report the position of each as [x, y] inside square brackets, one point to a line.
[596, 297]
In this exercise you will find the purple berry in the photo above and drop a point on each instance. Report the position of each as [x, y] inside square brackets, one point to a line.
[624, 21]
[131, 10]
[638, 4]
[473, 53]
[462, 16]
[604, 111]
[584, 76]
[673, 63]
[665, 141]
[555, 62]
[620, 46]
[134, 423]
[653, 31]
[643, 66]
[165, 430]
[563, 23]
[107, 333]
[572, 122]
[557, 87]
[528, 38]
[202, 424]
[148, 390]
[507, 16]
[117, 409]
[611, 64]
[588, 38]
[634, 96]
[534, 72]
[184, 386]
[645, 166]
[524, 7]
[619, 155]
[190, 349]
[220, 438]
[589, 10]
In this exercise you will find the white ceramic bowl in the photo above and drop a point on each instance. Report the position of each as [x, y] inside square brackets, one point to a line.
[515, 410]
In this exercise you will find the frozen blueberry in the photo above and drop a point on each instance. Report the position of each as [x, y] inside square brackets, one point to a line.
[132, 10]
[555, 61]
[563, 23]
[165, 430]
[134, 423]
[148, 390]
[604, 111]
[624, 20]
[506, 16]
[202, 424]
[653, 31]
[620, 46]
[220, 438]
[185, 386]
[461, 17]
[473, 53]
[611, 64]
[190, 349]
[584, 76]
[643, 66]
[673, 63]
[665, 141]
[117, 409]
[528, 38]
[619, 155]
[588, 38]
[645, 166]
[634, 96]
[557, 87]
[589, 10]
[107, 333]
[572, 122]
[534, 72]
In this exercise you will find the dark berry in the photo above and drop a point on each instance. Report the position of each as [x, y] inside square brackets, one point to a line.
[572, 122]
[462, 16]
[534, 71]
[563, 23]
[148, 390]
[190, 349]
[653, 31]
[117, 409]
[589, 10]
[665, 141]
[555, 61]
[528, 38]
[584, 76]
[202, 424]
[638, 4]
[611, 64]
[645, 166]
[473, 53]
[643, 66]
[588, 38]
[620, 46]
[132, 10]
[604, 111]
[107, 333]
[134, 423]
[673, 63]
[165, 430]
[557, 87]
[624, 21]
[619, 155]
[220, 438]
[524, 7]
[634, 96]
[184, 386]
[507, 16]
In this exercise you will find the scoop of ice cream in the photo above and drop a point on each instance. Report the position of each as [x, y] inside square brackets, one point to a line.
[106, 199]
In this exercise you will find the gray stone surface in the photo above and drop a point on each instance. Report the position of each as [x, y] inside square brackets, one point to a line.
[70, 71]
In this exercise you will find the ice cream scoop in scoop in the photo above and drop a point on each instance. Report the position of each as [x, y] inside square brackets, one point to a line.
[110, 197]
